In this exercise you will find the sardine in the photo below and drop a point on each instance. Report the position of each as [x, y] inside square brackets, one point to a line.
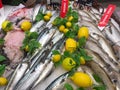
[18, 73]
[36, 26]
[59, 45]
[95, 48]
[57, 82]
[102, 74]
[36, 10]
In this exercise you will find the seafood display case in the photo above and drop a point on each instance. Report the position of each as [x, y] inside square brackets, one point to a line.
[60, 45]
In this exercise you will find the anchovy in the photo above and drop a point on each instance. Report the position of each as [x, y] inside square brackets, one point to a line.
[108, 50]
[57, 81]
[87, 70]
[92, 16]
[96, 68]
[112, 34]
[95, 48]
[93, 29]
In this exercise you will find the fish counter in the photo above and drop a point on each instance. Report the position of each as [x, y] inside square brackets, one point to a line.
[43, 48]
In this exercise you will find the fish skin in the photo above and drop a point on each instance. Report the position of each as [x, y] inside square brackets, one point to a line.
[36, 9]
[36, 26]
[101, 74]
[95, 48]
[93, 29]
[24, 80]
[96, 58]
[57, 81]
[49, 67]
[92, 16]
[108, 49]
[18, 73]
[112, 34]
[88, 70]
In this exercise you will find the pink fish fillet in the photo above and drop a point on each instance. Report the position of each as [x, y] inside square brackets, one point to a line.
[13, 42]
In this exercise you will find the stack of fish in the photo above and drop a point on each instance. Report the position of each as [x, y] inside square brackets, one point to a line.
[103, 46]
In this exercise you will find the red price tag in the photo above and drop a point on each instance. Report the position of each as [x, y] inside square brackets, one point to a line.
[64, 8]
[1, 4]
[106, 16]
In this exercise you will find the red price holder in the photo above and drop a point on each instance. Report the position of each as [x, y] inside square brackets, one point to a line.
[106, 16]
[1, 5]
[64, 8]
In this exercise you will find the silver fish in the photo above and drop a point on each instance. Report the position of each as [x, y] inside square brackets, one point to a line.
[57, 82]
[18, 73]
[83, 13]
[37, 26]
[49, 67]
[108, 49]
[112, 34]
[92, 16]
[36, 10]
[95, 48]
[84, 18]
[93, 29]
[96, 58]
[95, 11]
[102, 74]
[37, 73]
[87, 70]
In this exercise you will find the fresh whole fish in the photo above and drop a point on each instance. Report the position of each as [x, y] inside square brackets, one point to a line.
[88, 70]
[108, 49]
[93, 29]
[43, 63]
[114, 76]
[95, 48]
[112, 34]
[21, 68]
[60, 45]
[102, 74]
[57, 82]
[36, 10]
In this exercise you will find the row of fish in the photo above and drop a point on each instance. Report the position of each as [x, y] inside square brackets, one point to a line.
[34, 69]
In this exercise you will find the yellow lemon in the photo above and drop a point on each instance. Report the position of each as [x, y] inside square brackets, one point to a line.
[61, 28]
[26, 25]
[70, 18]
[7, 25]
[82, 60]
[49, 14]
[46, 18]
[3, 81]
[65, 30]
[27, 48]
[56, 58]
[68, 63]
[83, 32]
[82, 79]
[68, 24]
[70, 45]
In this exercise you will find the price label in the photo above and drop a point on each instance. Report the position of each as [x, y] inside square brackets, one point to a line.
[64, 8]
[107, 15]
[1, 4]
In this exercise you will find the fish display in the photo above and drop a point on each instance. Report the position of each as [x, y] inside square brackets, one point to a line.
[38, 48]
